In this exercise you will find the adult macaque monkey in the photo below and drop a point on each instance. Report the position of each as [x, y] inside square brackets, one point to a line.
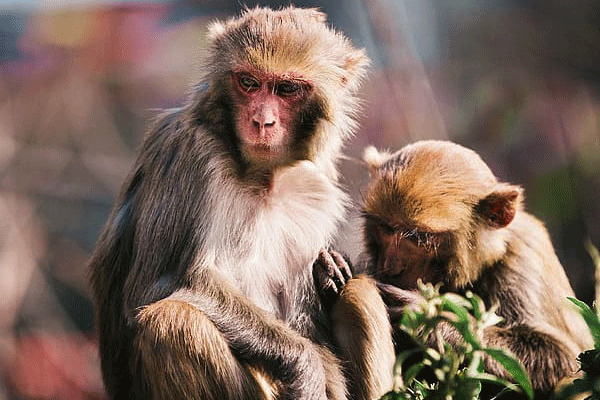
[203, 275]
[434, 211]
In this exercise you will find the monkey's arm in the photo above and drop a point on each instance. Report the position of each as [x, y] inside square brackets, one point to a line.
[359, 322]
[546, 357]
[254, 337]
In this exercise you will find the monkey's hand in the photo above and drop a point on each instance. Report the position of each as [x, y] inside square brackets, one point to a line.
[398, 300]
[331, 272]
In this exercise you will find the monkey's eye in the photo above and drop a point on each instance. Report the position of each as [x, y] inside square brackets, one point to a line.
[287, 88]
[388, 229]
[412, 235]
[417, 237]
[248, 83]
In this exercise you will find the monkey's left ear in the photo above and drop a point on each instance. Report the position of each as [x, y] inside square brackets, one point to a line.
[355, 67]
[498, 209]
[374, 158]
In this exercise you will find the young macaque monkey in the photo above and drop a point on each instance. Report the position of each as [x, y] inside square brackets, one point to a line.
[203, 275]
[434, 211]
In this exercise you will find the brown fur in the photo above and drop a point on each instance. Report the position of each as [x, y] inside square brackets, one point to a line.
[202, 276]
[365, 332]
[434, 211]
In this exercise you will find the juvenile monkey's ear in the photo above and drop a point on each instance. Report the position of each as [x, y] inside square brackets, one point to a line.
[498, 209]
[374, 158]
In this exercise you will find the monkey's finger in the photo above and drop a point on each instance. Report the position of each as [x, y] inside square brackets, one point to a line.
[330, 289]
[325, 261]
[330, 267]
[337, 274]
[325, 284]
[326, 288]
[342, 264]
[323, 265]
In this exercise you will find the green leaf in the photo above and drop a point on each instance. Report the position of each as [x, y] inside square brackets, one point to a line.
[489, 378]
[468, 389]
[458, 300]
[591, 319]
[412, 372]
[514, 368]
[403, 356]
[463, 323]
[398, 378]
[433, 354]
[476, 304]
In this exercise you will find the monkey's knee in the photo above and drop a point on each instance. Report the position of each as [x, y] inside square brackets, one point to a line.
[547, 359]
[361, 307]
[179, 353]
[363, 332]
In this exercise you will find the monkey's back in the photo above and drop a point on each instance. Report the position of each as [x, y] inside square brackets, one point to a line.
[547, 280]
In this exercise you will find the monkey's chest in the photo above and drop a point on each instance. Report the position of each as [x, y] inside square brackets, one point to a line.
[266, 244]
[271, 266]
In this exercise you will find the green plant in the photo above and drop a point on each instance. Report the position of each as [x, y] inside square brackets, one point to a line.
[458, 370]
[589, 384]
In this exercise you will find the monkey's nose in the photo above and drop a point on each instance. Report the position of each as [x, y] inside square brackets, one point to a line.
[264, 118]
[263, 124]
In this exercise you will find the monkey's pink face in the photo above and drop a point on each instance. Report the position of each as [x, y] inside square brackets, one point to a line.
[266, 106]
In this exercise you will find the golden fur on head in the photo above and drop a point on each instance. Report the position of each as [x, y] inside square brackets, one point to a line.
[289, 40]
[438, 186]
[434, 184]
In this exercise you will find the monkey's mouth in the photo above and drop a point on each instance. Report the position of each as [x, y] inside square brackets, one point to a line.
[264, 152]
[394, 279]
[402, 280]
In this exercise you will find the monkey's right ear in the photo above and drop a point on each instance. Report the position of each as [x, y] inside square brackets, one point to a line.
[374, 158]
[355, 67]
[498, 209]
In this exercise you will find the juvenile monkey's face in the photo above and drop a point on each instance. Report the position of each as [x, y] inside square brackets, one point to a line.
[425, 207]
[266, 107]
[402, 253]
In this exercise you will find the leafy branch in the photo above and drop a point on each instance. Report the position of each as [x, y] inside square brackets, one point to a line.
[459, 369]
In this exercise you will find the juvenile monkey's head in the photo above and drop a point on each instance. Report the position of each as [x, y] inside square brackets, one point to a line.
[435, 211]
[287, 83]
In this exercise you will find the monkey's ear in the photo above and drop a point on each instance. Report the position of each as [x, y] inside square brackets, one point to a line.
[498, 209]
[317, 15]
[374, 158]
[355, 67]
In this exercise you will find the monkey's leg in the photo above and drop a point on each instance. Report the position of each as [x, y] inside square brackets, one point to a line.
[251, 335]
[545, 358]
[180, 354]
[363, 331]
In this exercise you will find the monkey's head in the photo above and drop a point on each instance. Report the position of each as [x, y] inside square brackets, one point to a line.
[434, 211]
[282, 86]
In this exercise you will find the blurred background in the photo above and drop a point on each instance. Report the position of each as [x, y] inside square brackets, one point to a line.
[516, 80]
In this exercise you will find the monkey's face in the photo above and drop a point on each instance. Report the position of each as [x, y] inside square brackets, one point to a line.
[402, 254]
[266, 109]
[434, 211]
[282, 88]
